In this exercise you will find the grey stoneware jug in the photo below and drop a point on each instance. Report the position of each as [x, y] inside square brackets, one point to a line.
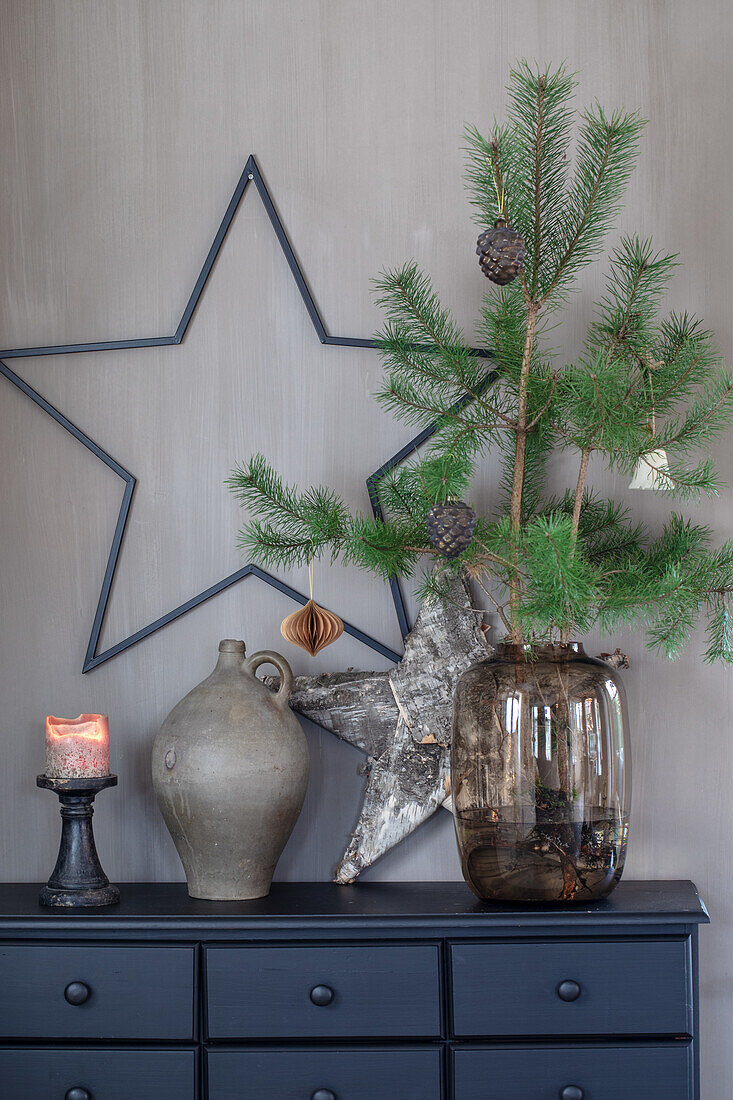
[230, 771]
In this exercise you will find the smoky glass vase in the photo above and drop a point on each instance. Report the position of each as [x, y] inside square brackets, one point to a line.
[540, 775]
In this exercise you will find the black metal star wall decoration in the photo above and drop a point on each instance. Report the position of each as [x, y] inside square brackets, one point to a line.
[369, 839]
[93, 658]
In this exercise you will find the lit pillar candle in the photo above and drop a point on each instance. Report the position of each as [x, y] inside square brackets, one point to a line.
[77, 747]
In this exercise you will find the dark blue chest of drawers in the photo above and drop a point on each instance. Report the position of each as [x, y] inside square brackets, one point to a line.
[373, 992]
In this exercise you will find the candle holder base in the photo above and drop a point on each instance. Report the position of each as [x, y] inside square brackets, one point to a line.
[77, 879]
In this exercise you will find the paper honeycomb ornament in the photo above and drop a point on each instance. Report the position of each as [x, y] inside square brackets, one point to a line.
[312, 628]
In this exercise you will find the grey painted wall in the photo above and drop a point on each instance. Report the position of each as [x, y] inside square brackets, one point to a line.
[124, 125]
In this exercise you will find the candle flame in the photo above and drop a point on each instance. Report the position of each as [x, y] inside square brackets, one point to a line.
[92, 727]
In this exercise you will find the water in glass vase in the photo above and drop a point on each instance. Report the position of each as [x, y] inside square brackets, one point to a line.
[540, 775]
[550, 859]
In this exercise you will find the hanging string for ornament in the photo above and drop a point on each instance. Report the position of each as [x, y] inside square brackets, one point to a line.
[311, 627]
[500, 250]
[498, 181]
[651, 469]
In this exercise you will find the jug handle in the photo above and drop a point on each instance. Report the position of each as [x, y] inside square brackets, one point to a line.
[269, 657]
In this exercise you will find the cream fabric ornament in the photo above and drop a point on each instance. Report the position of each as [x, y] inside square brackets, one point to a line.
[650, 472]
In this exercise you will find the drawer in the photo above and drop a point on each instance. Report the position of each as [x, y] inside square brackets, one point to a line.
[48, 1074]
[661, 1071]
[122, 992]
[323, 992]
[353, 1073]
[613, 987]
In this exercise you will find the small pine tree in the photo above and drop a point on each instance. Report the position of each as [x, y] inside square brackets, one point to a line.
[550, 568]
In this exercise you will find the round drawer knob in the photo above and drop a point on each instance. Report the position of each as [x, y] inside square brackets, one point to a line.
[76, 993]
[321, 995]
[323, 1094]
[78, 1094]
[568, 991]
[571, 1092]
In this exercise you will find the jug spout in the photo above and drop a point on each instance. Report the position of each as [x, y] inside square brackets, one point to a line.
[231, 653]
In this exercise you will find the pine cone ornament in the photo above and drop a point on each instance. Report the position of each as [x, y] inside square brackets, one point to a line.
[450, 527]
[500, 253]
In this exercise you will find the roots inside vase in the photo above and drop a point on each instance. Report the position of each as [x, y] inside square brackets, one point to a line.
[545, 858]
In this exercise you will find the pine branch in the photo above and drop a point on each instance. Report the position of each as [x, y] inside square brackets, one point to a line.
[562, 586]
[421, 342]
[711, 413]
[503, 327]
[636, 282]
[607, 150]
[409, 301]
[298, 526]
[540, 118]
[686, 358]
[642, 384]
[272, 547]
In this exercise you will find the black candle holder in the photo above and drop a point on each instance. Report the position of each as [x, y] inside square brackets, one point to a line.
[78, 878]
